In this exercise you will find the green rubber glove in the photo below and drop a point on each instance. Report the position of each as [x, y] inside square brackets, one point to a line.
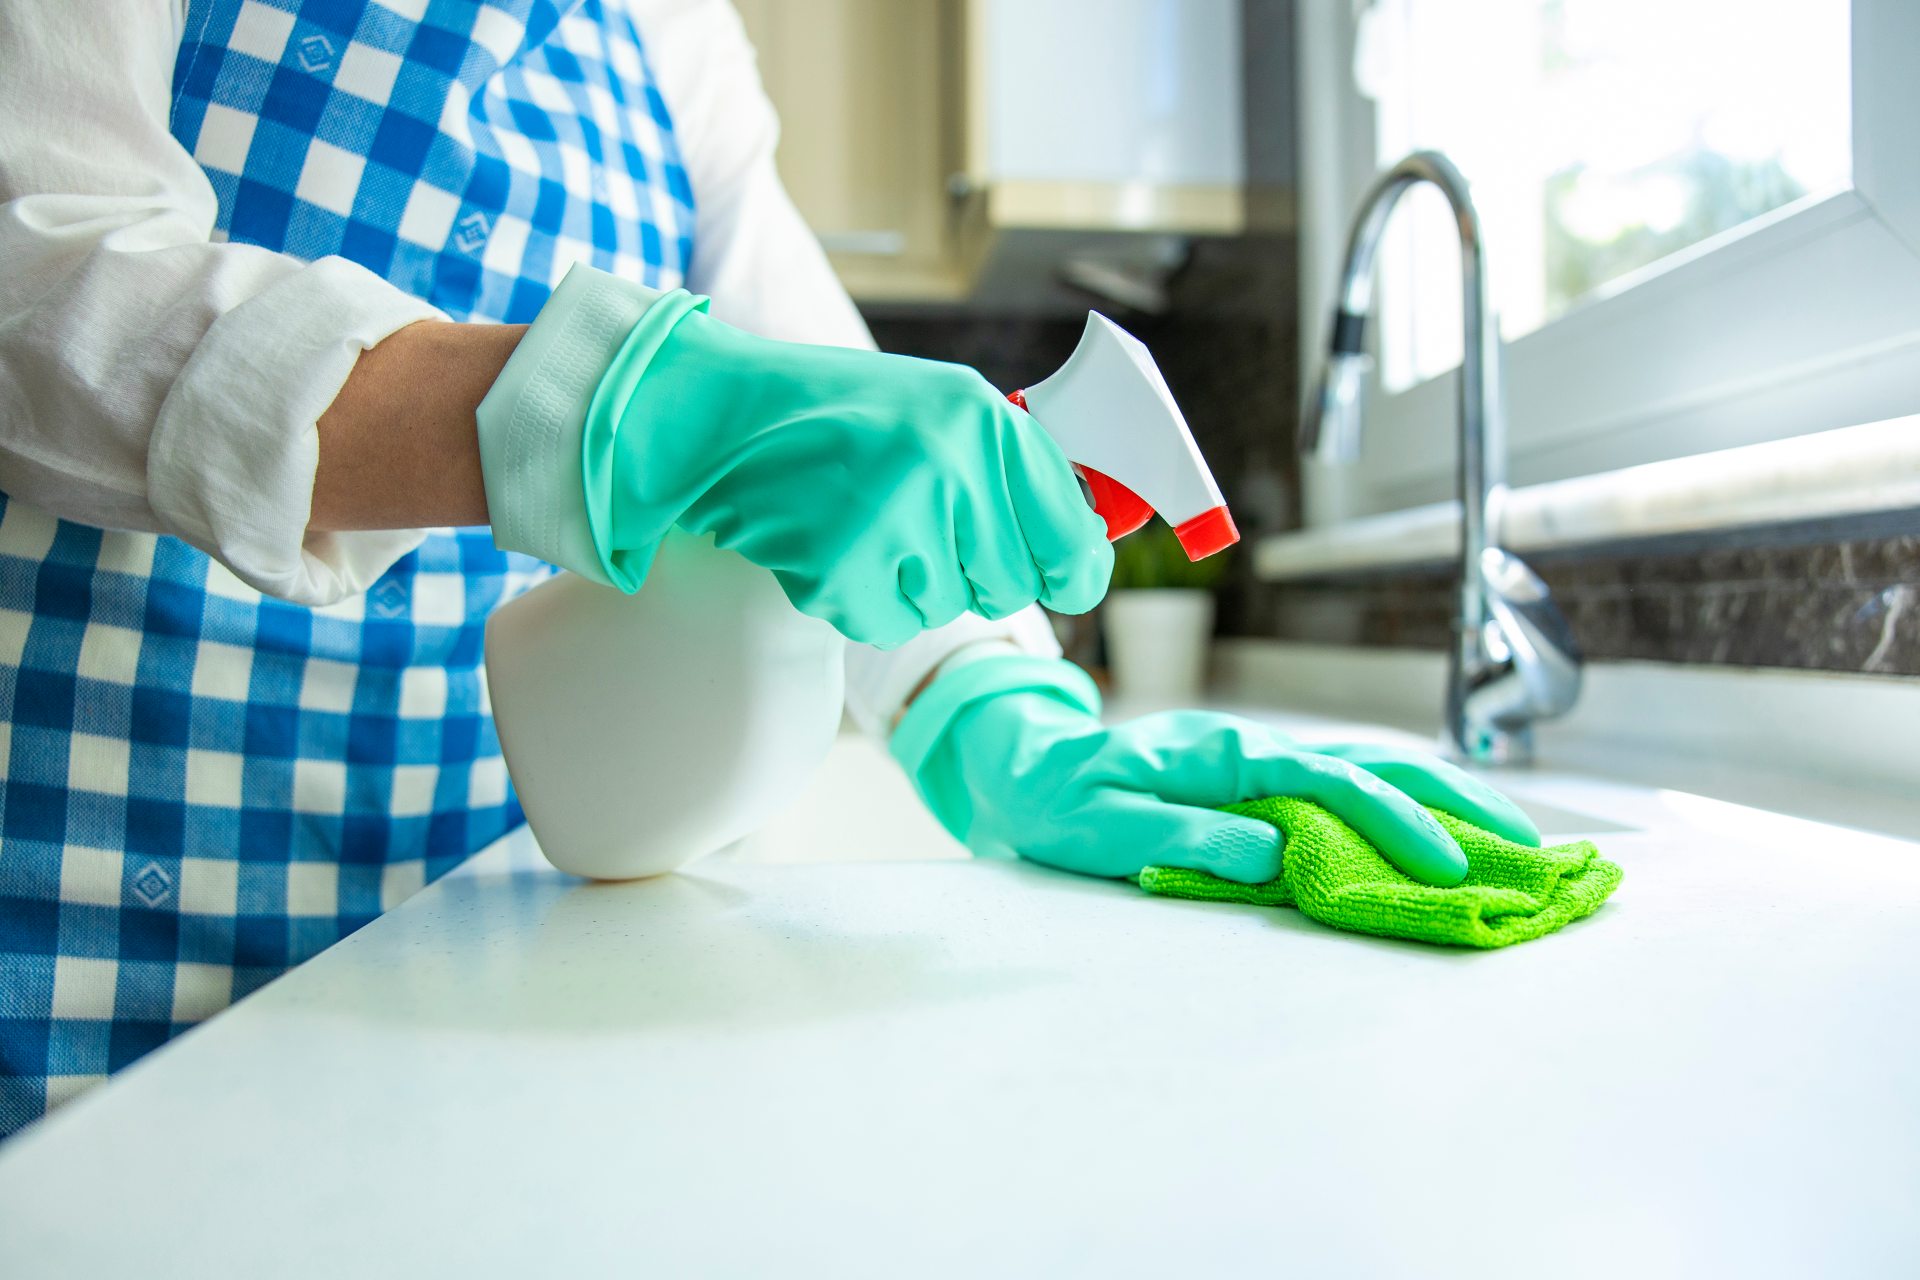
[887, 495]
[1011, 756]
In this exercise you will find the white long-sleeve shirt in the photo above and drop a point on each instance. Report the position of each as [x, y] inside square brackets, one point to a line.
[154, 378]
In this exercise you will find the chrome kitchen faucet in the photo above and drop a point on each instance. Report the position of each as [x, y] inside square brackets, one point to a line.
[1513, 660]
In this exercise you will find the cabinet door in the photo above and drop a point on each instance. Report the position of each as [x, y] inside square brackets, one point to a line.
[1122, 115]
[867, 92]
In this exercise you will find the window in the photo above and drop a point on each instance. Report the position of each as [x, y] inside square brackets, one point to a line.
[1614, 134]
[1700, 220]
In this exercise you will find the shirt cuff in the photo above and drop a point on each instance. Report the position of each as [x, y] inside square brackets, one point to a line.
[879, 682]
[231, 461]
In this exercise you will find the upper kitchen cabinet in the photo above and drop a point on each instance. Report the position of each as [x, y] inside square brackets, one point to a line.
[869, 137]
[1108, 114]
[986, 149]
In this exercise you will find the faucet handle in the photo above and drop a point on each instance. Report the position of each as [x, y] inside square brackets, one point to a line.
[1538, 643]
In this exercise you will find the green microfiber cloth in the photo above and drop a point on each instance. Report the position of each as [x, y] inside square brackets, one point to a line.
[1512, 893]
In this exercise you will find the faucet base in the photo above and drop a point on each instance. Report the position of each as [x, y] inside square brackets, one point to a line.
[1508, 748]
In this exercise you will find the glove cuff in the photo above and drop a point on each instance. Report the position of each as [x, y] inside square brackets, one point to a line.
[535, 450]
[987, 676]
[620, 384]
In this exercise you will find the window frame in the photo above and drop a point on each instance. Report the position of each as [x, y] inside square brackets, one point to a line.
[1801, 320]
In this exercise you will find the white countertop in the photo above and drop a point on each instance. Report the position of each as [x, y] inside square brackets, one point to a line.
[907, 1065]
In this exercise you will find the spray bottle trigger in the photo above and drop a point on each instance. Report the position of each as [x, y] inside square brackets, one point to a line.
[1122, 508]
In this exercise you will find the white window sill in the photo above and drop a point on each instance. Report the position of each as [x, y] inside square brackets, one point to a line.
[1853, 471]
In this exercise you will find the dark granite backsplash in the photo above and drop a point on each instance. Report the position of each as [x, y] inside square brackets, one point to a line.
[1829, 606]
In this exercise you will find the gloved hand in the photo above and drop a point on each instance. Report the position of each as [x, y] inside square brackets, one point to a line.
[1011, 756]
[887, 495]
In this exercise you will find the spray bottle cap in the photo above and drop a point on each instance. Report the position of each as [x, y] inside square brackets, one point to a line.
[1111, 413]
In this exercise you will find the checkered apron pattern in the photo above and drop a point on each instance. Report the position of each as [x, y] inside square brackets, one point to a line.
[200, 786]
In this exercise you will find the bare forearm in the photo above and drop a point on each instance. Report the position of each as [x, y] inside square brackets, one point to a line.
[398, 445]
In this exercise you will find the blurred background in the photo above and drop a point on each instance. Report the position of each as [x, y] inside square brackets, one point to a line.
[1702, 238]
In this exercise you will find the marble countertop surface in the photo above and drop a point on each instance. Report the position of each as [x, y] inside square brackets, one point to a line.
[843, 1049]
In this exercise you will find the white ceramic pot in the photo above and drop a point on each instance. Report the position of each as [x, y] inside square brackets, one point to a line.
[1157, 642]
[645, 731]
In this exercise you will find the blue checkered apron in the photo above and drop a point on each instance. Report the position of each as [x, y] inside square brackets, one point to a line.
[201, 786]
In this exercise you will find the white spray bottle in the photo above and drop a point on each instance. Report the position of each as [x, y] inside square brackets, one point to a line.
[645, 731]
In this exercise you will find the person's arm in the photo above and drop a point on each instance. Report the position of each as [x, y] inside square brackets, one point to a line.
[767, 273]
[152, 379]
[398, 448]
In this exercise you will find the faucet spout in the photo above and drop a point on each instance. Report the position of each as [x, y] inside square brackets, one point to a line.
[1514, 660]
